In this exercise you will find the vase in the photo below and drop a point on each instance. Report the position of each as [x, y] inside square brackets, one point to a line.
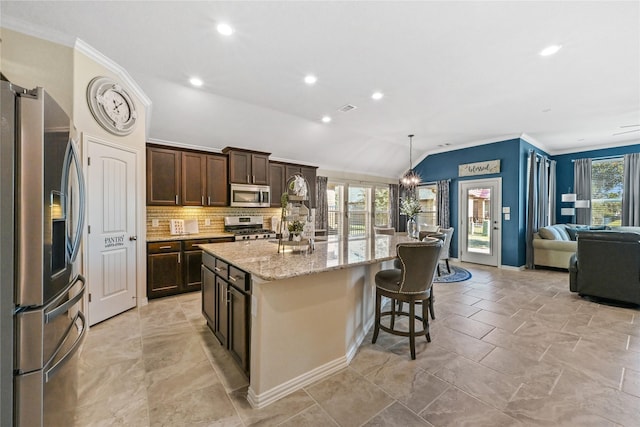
[297, 237]
[412, 228]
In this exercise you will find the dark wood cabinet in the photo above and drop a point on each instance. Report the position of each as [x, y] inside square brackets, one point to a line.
[247, 167]
[276, 182]
[309, 172]
[163, 176]
[226, 300]
[193, 179]
[186, 178]
[217, 187]
[174, 267]
[164, 269]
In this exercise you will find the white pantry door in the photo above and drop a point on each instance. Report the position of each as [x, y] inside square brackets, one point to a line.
[111, 232]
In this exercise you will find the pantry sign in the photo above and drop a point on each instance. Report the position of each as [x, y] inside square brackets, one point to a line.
[480, 168]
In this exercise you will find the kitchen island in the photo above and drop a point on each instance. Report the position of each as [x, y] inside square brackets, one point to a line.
[309, 311]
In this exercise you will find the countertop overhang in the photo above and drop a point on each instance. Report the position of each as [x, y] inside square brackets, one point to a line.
[262, 260]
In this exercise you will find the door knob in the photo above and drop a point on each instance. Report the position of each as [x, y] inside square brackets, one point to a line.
[133, 238]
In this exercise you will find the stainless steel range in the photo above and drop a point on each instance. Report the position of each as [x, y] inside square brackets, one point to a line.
[247, 227]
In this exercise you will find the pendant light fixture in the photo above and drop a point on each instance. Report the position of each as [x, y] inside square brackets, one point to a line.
[410, 179]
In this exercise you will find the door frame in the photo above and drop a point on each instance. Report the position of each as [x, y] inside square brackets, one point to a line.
[496, 207]
[141, 230]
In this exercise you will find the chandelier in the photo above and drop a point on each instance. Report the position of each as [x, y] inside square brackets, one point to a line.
[410, 179]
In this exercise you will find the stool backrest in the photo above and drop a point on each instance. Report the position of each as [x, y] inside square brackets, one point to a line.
[418, 263]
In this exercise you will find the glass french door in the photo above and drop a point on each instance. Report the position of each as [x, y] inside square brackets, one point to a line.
[349, 209]
[480, 221]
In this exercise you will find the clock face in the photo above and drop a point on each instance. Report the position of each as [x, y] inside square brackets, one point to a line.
[111, 106]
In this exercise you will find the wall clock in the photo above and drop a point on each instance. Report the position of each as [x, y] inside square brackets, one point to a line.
[111, 106]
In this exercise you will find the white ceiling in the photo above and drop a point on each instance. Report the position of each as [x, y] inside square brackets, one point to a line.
[453, 73]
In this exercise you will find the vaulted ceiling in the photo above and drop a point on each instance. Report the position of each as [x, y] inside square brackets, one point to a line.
[453, 73]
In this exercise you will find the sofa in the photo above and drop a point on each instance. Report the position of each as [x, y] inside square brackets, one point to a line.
[607, 265]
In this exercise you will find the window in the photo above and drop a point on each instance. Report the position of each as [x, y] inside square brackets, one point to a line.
[427, 196]
[353, 209]
[606, 191]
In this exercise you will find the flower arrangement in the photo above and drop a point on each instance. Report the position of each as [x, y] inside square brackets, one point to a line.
[295, 227]
[410, 206]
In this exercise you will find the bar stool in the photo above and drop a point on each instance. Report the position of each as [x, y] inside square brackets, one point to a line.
[411, 284]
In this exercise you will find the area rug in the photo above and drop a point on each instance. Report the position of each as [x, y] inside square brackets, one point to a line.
[458, 274]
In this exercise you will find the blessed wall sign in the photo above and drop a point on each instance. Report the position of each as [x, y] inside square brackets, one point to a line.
[480, 168]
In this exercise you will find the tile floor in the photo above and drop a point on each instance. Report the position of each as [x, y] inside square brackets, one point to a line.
[508, 348]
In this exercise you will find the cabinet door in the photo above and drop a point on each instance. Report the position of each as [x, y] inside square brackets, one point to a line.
[163, 176]
[239, 167]
[164, 274]
[291, 170]
[217, 185]
[259, 169]
[276, 182]
[221, 330]
[209, 296]
[310, 175]
[239, 327]
[192, 272]
[193, 179]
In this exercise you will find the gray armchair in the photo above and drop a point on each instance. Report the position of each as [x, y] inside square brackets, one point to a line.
[607, 265]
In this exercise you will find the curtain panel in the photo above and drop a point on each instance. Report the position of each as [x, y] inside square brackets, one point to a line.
[322, 208]
[541, 195]
[631, 190]
[582, 188]
[444, 214]
[394, 206]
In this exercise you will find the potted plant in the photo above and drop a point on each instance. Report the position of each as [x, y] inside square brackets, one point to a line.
[295, 229]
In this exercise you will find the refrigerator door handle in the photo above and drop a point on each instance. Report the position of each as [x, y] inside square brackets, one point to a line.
[50, 315]
[76, 344]
[73, 241]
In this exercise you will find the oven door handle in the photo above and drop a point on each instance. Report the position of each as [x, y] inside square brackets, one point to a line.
[62, 308]
[76, 344]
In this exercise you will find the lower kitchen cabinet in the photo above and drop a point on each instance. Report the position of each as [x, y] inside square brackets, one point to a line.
[173, 267]
[226, 300]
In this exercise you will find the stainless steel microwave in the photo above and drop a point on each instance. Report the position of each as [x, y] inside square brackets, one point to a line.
[250, 196]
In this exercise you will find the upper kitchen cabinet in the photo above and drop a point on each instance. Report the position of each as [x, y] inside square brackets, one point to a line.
[309, 172]
[217, 184]
[186, 178]
[276, 182]
[163, 176]
[247, 167]
[193, 178]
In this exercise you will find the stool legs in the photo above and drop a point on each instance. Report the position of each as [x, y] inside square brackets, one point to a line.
[412, 329]
[377, 319]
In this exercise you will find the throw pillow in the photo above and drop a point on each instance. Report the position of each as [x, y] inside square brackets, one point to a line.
[562, 231]
[549, 233]
[573, 231]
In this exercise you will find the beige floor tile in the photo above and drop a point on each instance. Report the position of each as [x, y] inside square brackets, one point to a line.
[273, 414]
[406, 382]
[311, 417]
[460, 343]
[371, 357]
[501, 338]
[498, 320]
[467, 326]
[456, 408]
[631, 382]
[396, 415]
[348, 398]
[497, 307]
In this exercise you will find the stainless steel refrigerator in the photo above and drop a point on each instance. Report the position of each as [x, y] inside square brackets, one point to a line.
[41, 291]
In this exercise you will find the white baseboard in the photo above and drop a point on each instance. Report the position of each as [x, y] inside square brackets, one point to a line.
[261, 400]
[513, 268]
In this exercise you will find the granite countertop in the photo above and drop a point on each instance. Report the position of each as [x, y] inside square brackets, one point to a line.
[262, 260]
[168, 237]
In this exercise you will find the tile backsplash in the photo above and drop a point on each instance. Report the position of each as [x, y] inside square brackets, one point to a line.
[215, 216]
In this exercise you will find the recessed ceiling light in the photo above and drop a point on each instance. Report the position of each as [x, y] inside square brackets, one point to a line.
[310, 79]
[326, 119]
[377, 95]
[195, 81]
[550, 50]
[224, 29]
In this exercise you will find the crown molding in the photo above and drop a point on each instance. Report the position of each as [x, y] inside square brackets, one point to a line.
[95, 55]
[33, 30]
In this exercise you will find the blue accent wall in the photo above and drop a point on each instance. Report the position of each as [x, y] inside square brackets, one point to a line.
[564, 171]
[513, 155]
